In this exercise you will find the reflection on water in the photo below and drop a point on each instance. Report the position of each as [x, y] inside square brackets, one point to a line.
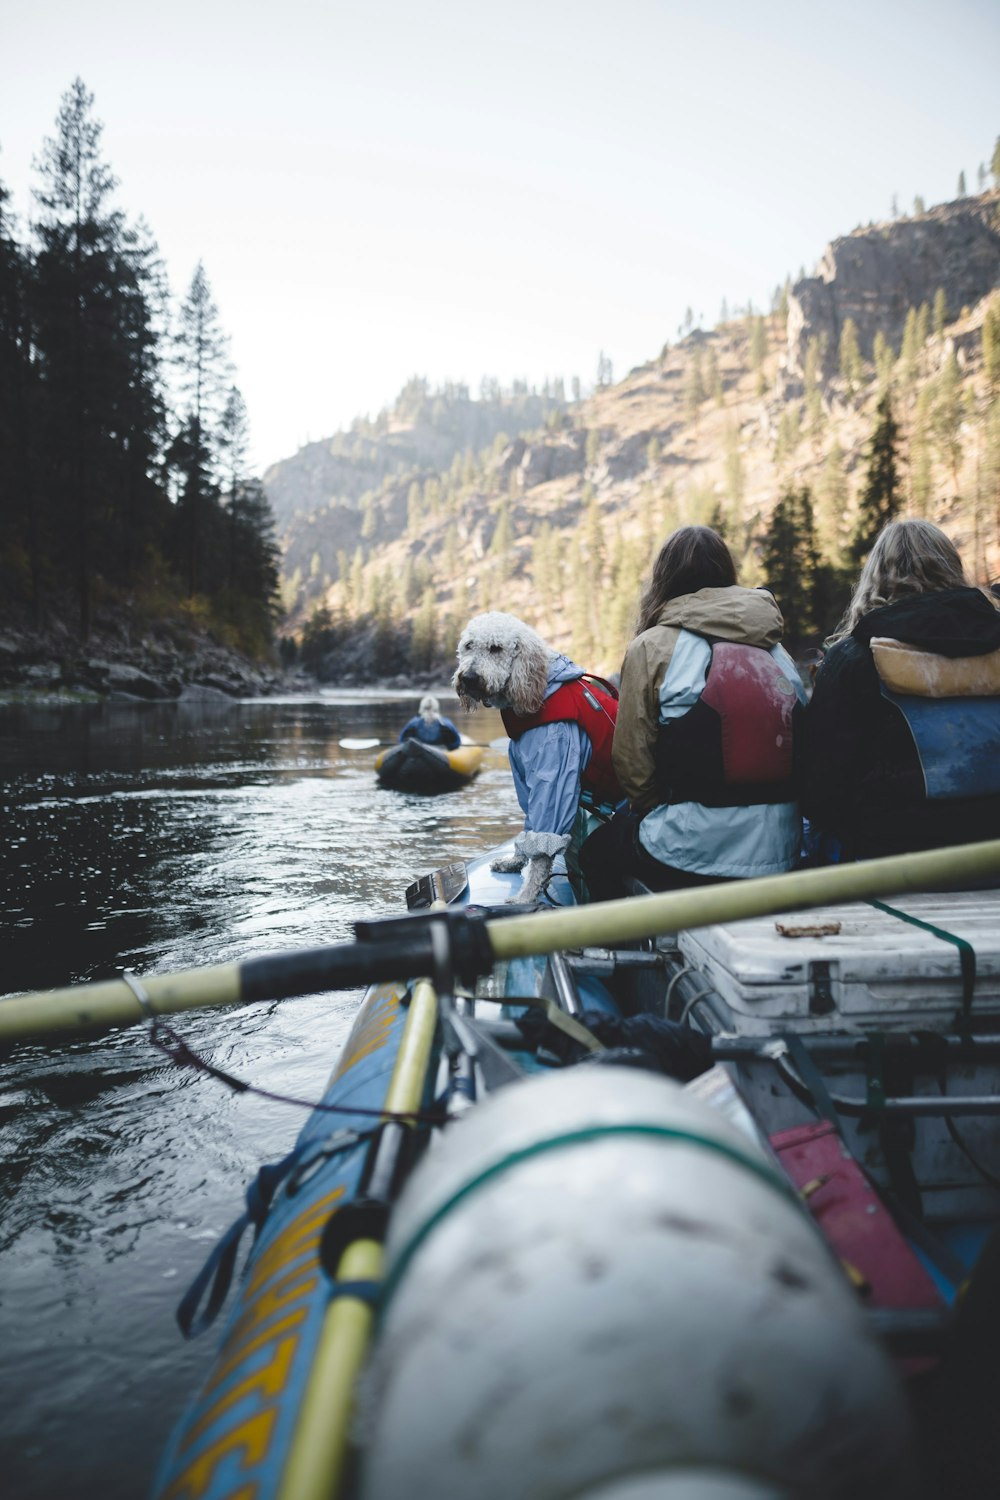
[160, 837]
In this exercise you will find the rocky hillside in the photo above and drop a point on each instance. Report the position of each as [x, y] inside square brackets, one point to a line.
[151, 658]
[558, 522]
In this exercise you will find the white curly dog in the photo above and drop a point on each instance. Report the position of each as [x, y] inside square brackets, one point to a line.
[503, 663]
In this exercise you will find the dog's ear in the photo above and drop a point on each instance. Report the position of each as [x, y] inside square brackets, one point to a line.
[529, 673]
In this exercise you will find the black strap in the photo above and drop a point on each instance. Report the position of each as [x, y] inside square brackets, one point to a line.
[966, 956]
[216, 1275]
[363, 1291]
[812, 1079]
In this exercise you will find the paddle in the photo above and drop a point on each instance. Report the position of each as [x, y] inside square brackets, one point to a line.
[500, 743]
[407, 947]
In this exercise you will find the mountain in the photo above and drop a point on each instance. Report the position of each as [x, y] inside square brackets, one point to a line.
[393, 534]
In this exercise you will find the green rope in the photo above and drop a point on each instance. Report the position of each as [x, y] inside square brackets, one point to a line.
[966, 954]
[557, 1142]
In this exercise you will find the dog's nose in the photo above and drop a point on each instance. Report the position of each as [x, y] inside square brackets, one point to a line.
[469, 684]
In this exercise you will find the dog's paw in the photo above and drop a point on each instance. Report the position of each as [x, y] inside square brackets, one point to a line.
[509, 864]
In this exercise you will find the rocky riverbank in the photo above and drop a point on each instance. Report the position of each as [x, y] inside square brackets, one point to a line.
[164, 661]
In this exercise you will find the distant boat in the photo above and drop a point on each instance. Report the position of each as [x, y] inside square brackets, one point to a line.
[416, 767]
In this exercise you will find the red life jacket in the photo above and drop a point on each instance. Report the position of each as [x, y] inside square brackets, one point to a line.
[593, 704]
[736, 746]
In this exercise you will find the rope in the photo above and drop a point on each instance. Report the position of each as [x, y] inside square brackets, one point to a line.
[166, 1040]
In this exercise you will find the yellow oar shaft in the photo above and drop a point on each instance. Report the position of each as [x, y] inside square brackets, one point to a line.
[100, 1006]
[676, 911]
[322, 1434]
[96, 1007]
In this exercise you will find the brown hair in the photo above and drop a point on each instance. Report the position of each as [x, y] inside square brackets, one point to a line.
[692, 558]
[909, 557]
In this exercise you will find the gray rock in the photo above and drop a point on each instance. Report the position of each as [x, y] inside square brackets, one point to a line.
[122, 678]
[876, 275]
[629, 457]
[201, 692]
[544, 461]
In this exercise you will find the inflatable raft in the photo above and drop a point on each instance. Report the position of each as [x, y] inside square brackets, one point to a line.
[416, 767]
[630, 1221]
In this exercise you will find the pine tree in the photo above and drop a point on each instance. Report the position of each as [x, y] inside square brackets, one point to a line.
[758, 350]
[832, 498]
[995, 163]
[791, 564]
[991, 343]
[694, 384]
[851, 367]
[940, 311]
[423, 642]
[203, 366]
[946, 415]
[94, 344]
[961, 184]
[20, 518]
[880, 498]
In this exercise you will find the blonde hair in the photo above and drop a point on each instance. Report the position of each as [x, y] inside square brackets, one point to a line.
[909, 557]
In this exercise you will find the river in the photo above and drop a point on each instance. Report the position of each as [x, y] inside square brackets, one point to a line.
[158, 837]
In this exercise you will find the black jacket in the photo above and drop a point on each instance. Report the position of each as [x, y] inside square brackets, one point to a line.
[862, 777]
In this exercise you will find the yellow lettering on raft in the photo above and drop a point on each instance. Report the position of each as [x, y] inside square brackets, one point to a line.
[300, 1235]
[268, 1380]
[372, 1034]
[252, 1436]
[276, 1330]
[276, 1298]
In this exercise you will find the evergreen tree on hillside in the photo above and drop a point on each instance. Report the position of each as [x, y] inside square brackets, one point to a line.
[20, 542]
[95, 341]
[791, 564]
[940, 314]
[991, 343]
[204, 372]
[880, 498]
[851, 366]
[995, 163]
[946, 415]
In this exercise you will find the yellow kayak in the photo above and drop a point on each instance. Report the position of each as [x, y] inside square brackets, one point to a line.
[416, 767]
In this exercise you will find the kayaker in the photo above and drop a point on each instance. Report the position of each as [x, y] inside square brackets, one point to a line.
[902, 735]
[430, 726]
[703, 746]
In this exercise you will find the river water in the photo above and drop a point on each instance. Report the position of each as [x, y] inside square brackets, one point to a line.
[158, 837]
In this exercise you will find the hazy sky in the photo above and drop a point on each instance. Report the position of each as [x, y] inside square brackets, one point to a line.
[453, 189]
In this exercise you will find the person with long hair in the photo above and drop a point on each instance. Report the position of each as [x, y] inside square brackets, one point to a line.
[902, 734]
[430, 727]
[703, 745]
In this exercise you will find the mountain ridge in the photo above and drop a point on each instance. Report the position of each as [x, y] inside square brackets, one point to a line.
[558, 522]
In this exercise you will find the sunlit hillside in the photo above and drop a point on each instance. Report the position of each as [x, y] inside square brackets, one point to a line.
[558, 520]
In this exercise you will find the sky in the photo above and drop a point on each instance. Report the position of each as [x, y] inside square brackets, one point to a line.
[453, 189]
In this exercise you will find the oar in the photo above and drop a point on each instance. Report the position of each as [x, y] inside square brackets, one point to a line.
[500, 743]
[407, 947]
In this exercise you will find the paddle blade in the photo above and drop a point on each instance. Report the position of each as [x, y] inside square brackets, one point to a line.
[350, 744]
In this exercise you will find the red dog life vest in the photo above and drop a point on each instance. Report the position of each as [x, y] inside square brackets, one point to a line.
[593, 704]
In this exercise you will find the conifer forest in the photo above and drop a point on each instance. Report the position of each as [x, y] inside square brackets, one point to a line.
[124, 481]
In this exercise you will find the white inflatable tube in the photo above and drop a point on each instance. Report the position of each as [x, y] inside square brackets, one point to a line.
[597, 1281]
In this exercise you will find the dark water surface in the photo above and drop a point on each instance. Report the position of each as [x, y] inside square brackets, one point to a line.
[159, 837]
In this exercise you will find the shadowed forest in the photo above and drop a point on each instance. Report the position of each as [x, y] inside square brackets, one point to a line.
[124, 484]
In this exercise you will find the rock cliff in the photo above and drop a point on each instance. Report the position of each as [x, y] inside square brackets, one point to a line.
[876, 275]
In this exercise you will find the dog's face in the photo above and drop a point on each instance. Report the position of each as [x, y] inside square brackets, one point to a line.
[502, 663]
